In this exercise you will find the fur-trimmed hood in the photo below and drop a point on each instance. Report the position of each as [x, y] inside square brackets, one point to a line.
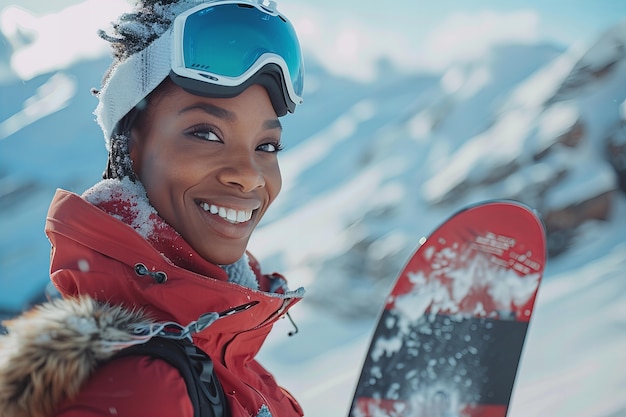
[51, 350]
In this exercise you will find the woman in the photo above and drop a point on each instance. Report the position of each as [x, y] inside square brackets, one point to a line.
[189, 110]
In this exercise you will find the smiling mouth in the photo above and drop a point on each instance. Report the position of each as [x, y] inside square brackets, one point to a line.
[230, 215]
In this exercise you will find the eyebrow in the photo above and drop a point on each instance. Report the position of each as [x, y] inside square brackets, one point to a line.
[227, 114]
[273, 124]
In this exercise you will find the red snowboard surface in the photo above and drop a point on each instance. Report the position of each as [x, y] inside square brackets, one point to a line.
[449, 340]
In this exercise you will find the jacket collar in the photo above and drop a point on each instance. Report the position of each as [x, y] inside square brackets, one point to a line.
[127, 201]
[112, 249]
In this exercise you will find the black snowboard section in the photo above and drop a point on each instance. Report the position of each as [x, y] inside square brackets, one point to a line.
[444, 356]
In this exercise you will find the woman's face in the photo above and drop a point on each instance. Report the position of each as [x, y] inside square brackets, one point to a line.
[209, 166]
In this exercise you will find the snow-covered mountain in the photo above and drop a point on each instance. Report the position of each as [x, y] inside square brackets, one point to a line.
[368, 170]
[550, 142]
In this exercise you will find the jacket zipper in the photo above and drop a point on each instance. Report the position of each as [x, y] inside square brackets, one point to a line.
[273, 317]
[265, 402]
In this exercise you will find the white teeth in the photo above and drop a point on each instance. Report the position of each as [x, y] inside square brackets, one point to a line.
[231, 215]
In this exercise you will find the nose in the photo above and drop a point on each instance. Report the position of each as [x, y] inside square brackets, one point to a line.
[243, 172]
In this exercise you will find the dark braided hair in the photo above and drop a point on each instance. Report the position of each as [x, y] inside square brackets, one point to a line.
[134, 31]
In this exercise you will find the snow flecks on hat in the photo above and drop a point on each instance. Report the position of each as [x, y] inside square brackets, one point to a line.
[148, 20]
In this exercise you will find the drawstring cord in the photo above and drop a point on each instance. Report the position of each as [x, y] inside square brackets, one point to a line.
[176, 331]
[293, 323]
[172, 330]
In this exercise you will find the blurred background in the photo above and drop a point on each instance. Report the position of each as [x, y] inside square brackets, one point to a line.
[412, 110]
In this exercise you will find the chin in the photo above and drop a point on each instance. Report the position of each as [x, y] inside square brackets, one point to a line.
[225, 259]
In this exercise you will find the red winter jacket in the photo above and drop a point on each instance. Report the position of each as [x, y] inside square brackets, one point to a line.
[96, 250]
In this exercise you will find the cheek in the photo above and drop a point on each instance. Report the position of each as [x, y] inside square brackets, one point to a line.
[274, 182]
[163, 178]
[162, 164]
[170, 176]
[153, 180]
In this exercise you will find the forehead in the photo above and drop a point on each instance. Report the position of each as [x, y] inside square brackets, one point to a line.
[252, 104]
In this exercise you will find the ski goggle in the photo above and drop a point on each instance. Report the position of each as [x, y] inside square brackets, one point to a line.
[220, 48]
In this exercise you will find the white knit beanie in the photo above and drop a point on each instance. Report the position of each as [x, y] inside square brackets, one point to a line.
[130, 80]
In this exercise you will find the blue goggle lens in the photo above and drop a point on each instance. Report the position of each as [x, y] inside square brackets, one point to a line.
[228, 43]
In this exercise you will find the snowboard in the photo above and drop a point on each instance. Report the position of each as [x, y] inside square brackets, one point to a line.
[449, 339]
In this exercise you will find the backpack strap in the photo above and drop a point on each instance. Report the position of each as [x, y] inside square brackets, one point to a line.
[196, 368]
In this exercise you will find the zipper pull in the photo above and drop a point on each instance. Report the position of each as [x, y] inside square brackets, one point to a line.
[238, 309]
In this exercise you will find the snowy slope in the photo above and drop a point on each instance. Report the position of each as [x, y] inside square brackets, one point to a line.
[368, 170]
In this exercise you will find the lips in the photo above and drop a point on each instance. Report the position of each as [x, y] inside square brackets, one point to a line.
[231, 215]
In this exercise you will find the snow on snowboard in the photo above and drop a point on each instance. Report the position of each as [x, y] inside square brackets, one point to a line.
[449, 340]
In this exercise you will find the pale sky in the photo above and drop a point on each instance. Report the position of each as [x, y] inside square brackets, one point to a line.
[346, 36]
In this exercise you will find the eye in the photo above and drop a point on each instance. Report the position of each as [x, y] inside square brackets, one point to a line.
[271, 147]
[205, 133]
